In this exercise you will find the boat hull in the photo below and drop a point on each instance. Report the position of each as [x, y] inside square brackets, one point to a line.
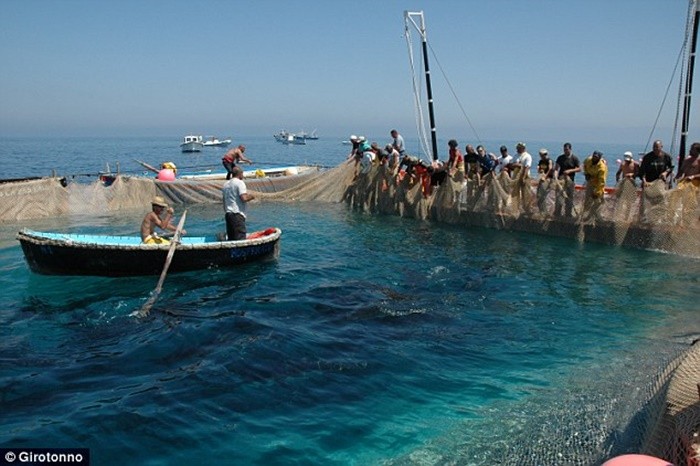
[191, 146]
[280, 176]
[217, 143]
[48, 254]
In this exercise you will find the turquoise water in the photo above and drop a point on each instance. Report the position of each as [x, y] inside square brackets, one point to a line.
[371, 340]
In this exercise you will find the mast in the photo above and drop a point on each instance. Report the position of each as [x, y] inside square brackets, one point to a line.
[689, 84]
[408, 15]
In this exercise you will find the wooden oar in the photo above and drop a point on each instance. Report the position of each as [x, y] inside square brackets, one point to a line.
[147, 166]
[171, 252]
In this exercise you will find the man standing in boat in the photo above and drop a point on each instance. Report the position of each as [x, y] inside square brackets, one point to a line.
[232, 157]
[236, 197]
[565, 169]
[398, 143]
[153, 220]
[690, 170]
[656, 165]
[596, 171]
[628, 169]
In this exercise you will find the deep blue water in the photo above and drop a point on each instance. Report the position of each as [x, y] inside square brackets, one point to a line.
[370, 340]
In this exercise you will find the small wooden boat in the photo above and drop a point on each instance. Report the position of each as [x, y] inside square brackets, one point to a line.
[119, 256]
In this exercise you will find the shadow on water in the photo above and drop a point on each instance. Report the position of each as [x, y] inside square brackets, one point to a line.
[184, 294]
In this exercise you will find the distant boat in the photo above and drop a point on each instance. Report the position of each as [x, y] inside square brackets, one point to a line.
[285, 137]
[281, 136]
[213, 141]
[192, 143]
[311, 137]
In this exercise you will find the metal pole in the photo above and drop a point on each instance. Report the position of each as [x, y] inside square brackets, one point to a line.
[688, 87]
[421, 30]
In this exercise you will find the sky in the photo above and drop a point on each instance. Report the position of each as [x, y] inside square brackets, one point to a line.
[580, 70]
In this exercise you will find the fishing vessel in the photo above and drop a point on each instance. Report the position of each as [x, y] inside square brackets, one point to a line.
[213, 141]
[191, 143]
[285, 137]
[54, 253]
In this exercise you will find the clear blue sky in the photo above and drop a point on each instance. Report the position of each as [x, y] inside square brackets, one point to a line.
[581, 70]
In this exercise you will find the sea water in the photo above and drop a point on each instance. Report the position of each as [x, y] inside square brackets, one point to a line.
[370, 340]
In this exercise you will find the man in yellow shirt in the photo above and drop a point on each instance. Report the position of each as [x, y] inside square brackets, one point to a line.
[595, 170]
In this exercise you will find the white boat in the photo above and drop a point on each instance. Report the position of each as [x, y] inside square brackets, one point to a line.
[281, 136]
[293, 171]
[192, 143]
[213, 141]
[285, 137]
[295, 139]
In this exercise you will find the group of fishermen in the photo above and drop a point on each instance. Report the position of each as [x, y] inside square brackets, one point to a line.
[477, 165]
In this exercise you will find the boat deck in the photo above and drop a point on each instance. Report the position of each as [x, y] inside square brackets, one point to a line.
[113, 240]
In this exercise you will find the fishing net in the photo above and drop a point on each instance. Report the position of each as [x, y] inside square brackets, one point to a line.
[673, 430]
[655, 218]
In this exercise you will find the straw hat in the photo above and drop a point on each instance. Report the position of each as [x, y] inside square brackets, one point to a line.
[159, 201]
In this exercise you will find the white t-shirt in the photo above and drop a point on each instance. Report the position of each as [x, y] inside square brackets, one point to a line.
[525, 160]
[504, 161]
[233, 189]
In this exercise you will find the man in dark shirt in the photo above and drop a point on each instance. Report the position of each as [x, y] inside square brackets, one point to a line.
[565, 168]
[656, 165]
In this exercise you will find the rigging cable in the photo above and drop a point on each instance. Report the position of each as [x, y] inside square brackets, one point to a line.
[681, 55]
[454, 94]
[683, 82]
[418, 104]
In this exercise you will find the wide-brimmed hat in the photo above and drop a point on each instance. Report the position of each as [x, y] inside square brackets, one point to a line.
[159, 201]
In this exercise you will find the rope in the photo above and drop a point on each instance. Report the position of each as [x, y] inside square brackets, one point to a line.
[682, 79]
[681, 55]
[454, 94]
[418, 104]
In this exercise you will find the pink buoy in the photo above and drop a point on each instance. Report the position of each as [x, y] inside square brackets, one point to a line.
[166, 174]
[636, 460]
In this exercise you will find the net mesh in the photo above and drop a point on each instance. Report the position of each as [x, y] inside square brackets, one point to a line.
[653, 218]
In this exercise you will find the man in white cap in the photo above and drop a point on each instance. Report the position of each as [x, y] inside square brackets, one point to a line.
[629, 168]
[153, 220]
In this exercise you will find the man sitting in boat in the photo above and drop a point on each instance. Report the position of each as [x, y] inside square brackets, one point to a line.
[232, 157]
[153, 220]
